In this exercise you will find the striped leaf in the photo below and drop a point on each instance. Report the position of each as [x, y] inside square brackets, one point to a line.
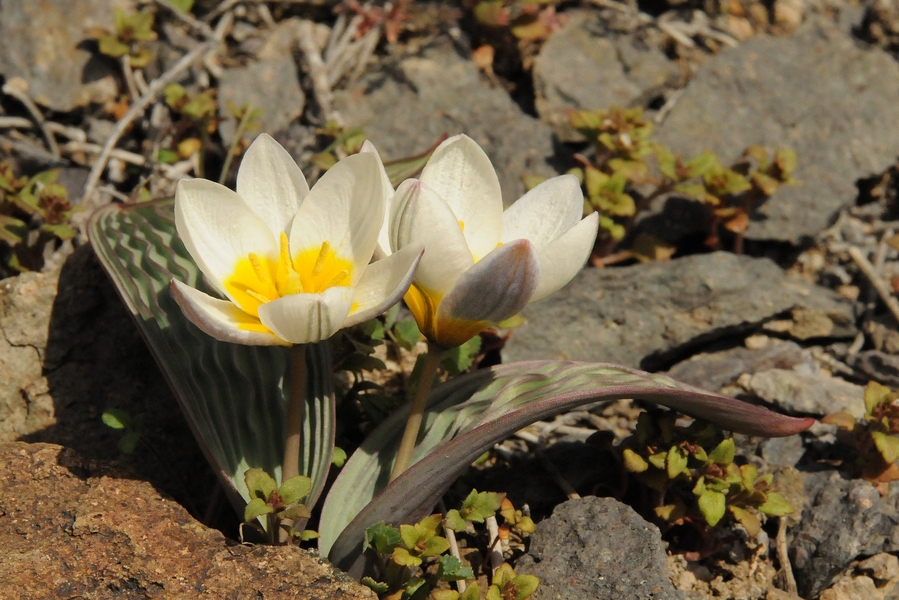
[469, 414]
[234, 397]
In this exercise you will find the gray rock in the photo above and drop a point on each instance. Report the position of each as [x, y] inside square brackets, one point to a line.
[714, 370]
[582, 67]
[879, 366]
[598, 548]
[25, 404]
[270, 85]
[817, 92]
[404, 109]
[781, 452]
[42, 42]
[805, 390]
[652, 314]
[842, 520]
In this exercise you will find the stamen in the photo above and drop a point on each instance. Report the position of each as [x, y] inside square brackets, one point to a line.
[288, 278]
[260, 268]
[337, 280]
[320, 261]
[257, 296]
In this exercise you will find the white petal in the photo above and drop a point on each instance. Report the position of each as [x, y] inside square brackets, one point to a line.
[460, 172]
[222, 319]
[218, 229]
[307, 318]
[271, 183]
[383, 284]
[344, 208]
[496, 288]
[383, 248]
[420, 216]
[563, 258]
[545, 212]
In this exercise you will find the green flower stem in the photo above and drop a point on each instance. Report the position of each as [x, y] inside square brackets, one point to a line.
[295, 414]
[413, 425]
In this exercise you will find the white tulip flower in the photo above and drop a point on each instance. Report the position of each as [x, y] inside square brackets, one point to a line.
[292, 262]
[483, 265]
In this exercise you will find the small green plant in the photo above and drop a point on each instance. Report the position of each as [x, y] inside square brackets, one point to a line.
[527, 20]
[506, 584]
[354, 352]
[875, 438]
[129, 36]
[131, 428]
[694, 478]
[281, 506]
[414, 558]
[343, 142]
[190, 132]
[33, 211]
[620, 182]
[197, 120]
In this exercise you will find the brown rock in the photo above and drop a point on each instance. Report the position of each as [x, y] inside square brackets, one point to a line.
[76, 528]
[776, 594]
[25, 303]
[857, 588]
[882, 566]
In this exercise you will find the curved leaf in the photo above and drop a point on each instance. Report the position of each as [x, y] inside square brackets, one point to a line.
[468, 415]
[234, 397]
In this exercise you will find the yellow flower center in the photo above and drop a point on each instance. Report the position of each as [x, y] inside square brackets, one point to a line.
[445, 333]
[259, 279]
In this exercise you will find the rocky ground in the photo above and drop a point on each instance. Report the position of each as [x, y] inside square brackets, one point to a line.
[800, 321]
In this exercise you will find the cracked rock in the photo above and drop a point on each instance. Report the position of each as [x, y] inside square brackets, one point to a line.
[817, 92]
[653, 314]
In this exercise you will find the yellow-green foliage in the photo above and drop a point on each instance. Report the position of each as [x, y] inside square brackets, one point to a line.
[406, 552]
[619, 182]
[692, 473]
[876, 437]
[129, 37]
[527, 20]
[28, 205]
[282, 505]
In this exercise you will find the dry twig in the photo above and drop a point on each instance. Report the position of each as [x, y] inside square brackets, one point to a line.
[454, 545]
[155, 87]
[495, 553]
[318, 72]
[870, 272]
[784, 558]
[18, 89]
[188, 19]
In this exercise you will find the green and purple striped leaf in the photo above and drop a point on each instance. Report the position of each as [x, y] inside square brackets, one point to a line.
[234, 397]
[469, 414]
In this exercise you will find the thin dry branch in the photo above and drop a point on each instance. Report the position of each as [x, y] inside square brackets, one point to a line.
[880, 286]
[188, 19]
[155, 88]
[784, 557]
[18, 89]
[495, 548]
[318, 72]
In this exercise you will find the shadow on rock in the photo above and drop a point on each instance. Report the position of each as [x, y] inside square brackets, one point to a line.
[96, 360]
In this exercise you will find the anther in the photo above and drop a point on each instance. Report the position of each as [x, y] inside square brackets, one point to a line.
[320, 261]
